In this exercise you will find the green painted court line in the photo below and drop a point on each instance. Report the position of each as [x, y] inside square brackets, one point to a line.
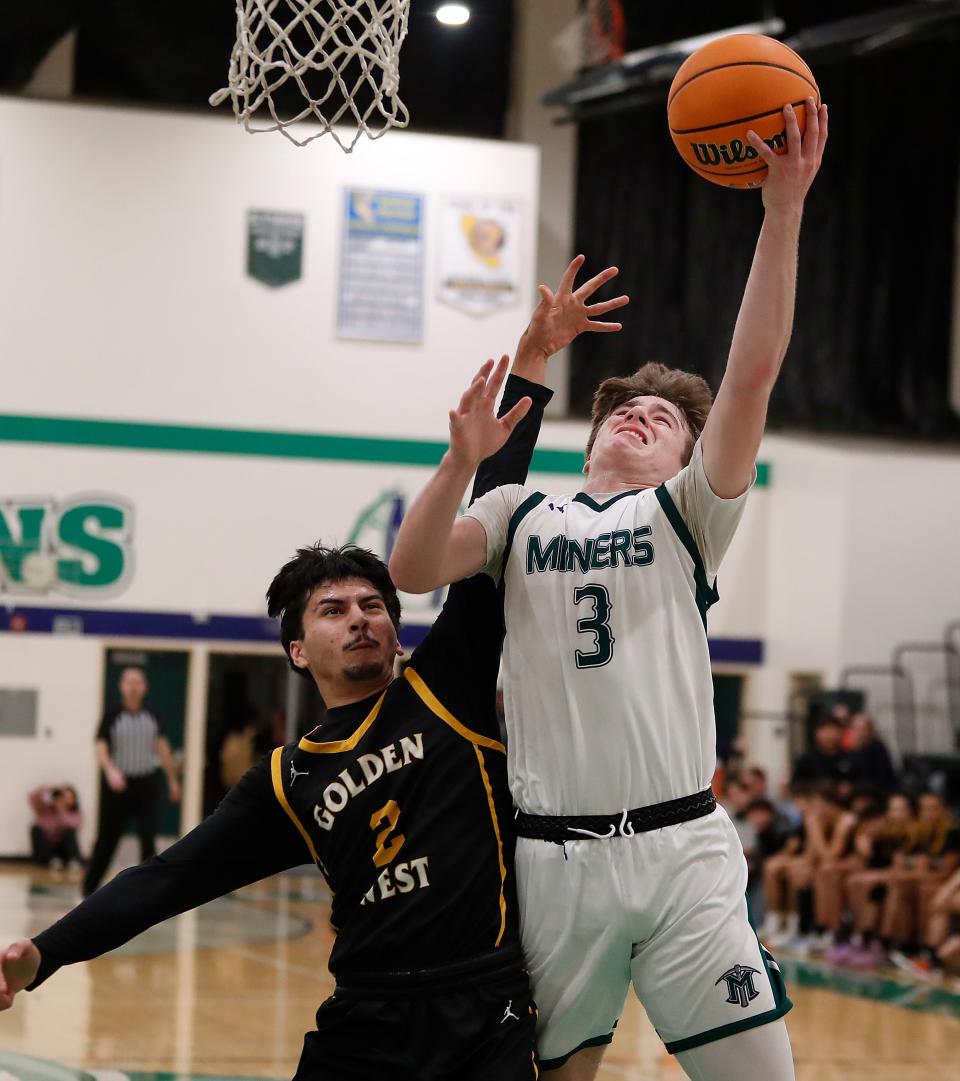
[907, 995]
[178, 438]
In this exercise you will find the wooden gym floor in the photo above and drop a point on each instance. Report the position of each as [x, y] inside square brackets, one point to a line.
[227, 992]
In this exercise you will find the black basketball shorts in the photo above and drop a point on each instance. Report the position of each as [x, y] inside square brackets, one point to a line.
[477, 1033]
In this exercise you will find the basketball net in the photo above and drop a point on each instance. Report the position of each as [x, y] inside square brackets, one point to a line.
[596, 37]
[342, 55]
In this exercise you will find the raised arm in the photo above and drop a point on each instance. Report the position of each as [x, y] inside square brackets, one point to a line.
[732, 434]
[512, 461]
[434, 547]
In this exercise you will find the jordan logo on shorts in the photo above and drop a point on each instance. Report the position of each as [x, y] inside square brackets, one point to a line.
[507, 1013]
[740, 989]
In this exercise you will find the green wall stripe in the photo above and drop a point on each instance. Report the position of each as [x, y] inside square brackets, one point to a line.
[127, 435]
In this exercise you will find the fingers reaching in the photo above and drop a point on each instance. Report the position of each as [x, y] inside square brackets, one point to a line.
[590, 287]
[793, 130]
[495, 381]
[570, 274]
[477, 385]
[603, 328]
[607, 306]
[811, 137]
[823, 119]
[765, 152]
[517, 413]
[484, 371]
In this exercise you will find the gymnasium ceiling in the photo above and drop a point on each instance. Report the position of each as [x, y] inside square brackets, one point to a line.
[458, 81]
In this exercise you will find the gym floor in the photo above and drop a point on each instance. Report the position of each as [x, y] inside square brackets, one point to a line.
[228, 991]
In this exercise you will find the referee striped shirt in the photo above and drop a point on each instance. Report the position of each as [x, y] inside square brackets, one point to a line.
[132, 738]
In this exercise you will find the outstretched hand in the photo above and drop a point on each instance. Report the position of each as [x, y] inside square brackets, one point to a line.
[19, 964]
[562, 315]
[790, 175]
[476, 431]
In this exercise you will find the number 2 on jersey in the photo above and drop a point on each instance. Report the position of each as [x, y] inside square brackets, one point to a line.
[598, 623]
[387, 847]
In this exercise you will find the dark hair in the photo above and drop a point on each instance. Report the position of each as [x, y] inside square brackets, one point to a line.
[758, 771]
[761, 804]
[290, 590]
[690, 393]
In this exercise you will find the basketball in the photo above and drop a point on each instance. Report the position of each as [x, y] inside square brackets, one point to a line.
[726, 88]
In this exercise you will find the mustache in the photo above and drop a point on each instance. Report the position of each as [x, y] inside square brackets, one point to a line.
[361, 638]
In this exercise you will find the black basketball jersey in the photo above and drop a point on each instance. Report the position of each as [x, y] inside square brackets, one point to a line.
[402, 801]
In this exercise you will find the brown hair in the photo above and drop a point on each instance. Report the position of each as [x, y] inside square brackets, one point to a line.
[690, 393]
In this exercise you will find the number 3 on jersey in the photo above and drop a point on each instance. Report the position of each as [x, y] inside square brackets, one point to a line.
[598, 623]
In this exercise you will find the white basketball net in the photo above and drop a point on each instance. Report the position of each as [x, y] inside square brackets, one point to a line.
[343, 55]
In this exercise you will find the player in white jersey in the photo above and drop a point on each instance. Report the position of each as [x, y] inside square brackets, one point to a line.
[608, 688]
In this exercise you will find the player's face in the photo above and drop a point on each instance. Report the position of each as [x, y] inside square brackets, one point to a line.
[348, 636]
[645, 439]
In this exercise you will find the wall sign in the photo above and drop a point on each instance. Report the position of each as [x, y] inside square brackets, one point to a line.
[80, 547]
[381, 267]
[480, 254]
[274, 246]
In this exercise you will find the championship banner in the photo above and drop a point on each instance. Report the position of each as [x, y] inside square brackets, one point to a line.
[274, 246]
[480, 254]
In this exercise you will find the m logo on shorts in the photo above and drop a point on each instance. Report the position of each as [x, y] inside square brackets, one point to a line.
[739, 981]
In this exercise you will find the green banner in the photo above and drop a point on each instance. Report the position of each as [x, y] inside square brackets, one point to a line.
[274, 246]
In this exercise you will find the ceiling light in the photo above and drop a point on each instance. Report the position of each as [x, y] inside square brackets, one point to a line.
[453, 14]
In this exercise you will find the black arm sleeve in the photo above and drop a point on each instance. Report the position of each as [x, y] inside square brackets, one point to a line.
[247, 838]
[460, 658]
[511, 462]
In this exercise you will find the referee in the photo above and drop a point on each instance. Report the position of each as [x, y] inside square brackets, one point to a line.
[131, 746]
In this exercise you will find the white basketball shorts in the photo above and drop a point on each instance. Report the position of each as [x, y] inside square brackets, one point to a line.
[664, 910]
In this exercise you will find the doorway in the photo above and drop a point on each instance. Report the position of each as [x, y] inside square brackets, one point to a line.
[246, 718]
[727, 697]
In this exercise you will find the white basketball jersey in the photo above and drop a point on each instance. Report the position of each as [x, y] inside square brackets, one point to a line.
[607, 683]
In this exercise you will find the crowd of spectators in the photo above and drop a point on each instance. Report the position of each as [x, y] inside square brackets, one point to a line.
[845, 864]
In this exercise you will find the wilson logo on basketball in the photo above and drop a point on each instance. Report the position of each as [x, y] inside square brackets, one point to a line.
[735, 152]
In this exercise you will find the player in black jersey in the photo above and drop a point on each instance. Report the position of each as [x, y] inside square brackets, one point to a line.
[400, 798]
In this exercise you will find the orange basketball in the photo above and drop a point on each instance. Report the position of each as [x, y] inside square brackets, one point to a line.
[729, 86]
